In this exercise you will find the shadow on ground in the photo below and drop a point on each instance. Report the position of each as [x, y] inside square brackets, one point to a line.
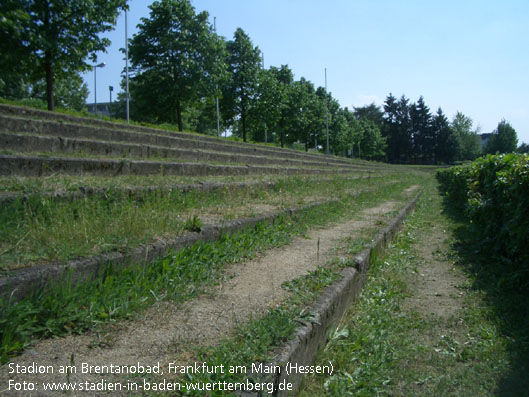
[506, 289]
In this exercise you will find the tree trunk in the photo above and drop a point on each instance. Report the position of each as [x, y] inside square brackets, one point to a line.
[179, 115]
[49, 81]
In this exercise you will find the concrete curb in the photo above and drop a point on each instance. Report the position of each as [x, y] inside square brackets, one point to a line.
[19, 283]
[327, 312]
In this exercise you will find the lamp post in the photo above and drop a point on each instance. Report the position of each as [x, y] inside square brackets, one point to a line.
[127, 67]
[101, 65]
[326, 115]
[110, 89]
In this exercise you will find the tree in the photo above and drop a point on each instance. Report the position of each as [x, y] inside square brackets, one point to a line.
[50, 39]
[244, 62]
[372, 144]
[370, 112]
[69, 93]
[503, 139]
[523, 148]
[469, 141]
[285, 79]
[446, 145]
[421, 131]
[397, 129]
[177, 58]
[265, 109]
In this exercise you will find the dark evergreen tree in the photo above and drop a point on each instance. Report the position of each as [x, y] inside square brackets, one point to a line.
[446, 144]
[421, 131]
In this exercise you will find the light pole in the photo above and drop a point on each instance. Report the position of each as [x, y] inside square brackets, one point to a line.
[326, 114]
[101, 65]
[127, 66]
[217, 86]
[110, 89]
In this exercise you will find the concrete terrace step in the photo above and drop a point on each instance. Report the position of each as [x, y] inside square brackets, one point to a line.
[35, 143]
[10, 124]
[16, 165]
[10, 117]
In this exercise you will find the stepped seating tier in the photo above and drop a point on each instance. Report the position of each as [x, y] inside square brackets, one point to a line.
[39, 143]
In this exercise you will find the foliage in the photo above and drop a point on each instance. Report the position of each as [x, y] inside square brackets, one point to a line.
[493, 193]
[469, 141]
[503, 140]
[51, 39]
[177, 58]
[70, 92]
[244, 61]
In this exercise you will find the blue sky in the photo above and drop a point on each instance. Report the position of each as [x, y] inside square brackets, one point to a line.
[468, 56]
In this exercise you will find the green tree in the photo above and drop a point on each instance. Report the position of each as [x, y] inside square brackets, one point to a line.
[469, 141]
[503, 139]
[372, 144]
[69, 93]
[51, 39]
[265, 108]
[397, 129]
[523, 148]
[421, 131]
[446, 144]
[244, 62]
[177, 58]
[285, 79]
[370, 112]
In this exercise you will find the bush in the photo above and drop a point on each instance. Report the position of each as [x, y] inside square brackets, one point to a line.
[493, 193]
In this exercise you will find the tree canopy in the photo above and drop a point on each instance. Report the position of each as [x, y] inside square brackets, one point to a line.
[51, 39]
[177, 59]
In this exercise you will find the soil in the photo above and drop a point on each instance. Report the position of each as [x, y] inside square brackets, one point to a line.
[168, 332]
[436, 286]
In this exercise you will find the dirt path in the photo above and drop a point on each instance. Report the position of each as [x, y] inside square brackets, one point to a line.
[436, 293]
[167, 332]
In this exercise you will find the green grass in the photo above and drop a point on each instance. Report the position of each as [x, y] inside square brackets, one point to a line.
[44, 229]
[384, 347]
[68, 308]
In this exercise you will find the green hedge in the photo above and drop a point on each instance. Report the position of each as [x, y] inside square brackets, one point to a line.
[493, 193]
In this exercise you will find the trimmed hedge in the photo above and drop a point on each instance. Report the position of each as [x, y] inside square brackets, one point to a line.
[493, 193]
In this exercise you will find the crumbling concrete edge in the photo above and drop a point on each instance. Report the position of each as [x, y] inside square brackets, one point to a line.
[326, 312]
[17, 284]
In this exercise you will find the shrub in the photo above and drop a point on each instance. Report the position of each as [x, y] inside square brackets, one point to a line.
[493, 193]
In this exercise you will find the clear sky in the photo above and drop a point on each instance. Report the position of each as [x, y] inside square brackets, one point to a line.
[463, 55]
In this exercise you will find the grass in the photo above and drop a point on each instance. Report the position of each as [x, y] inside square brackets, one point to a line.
[385, 347]
[72, 308]
[41, 228]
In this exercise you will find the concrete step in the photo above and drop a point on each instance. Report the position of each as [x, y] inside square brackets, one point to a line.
[9, 114]
[36, 166]
[37, 144]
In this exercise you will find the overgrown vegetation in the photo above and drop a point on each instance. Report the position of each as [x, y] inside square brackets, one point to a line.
[385, 346]
[493, 194]
[67, 308]
[41, 228]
